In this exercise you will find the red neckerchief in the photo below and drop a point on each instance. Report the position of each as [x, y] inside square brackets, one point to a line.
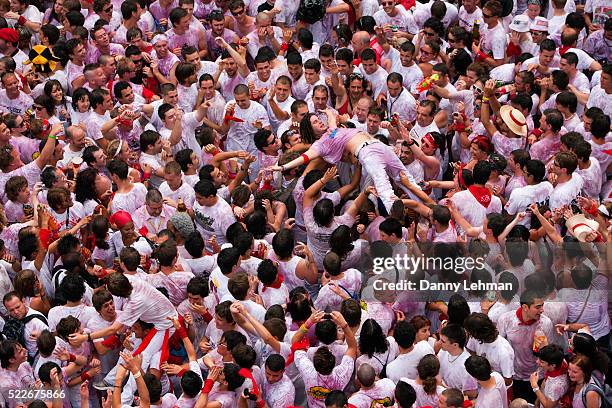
[557, 372]
[481, 194]
[563, 50]
[300, 345]
[276, 284]
[519, 314]
[246, 373]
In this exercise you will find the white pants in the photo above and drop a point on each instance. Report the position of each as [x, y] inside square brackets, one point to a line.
[381, 163]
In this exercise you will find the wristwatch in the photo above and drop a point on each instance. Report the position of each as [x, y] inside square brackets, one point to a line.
[536, 389]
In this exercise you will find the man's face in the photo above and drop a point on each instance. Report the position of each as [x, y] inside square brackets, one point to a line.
[534, 311]
[319, 100]
[311, 76]
[230, 66]
[219, 177]
[16, 308]
[361, 110]
[161, 48]
[171, 98]
[344, 68]
[388, 6]
[108, 102]
[424, 116]
[406, 57]
[295, 70]
[11, 84]
[606, 82]
[263, 70]
[487, 16]
[99, 77]
[79, 52]
[406, 155]
[273, 144]
[218, 27]
[108, 311]
[302, 111]
[533, 10]
[242, 100]
[282, 91]
[356, 88]
[394, 88]
[101, 38]
[327, 61]
[189, 9]
[546, 57]
[274, 376]
[208, 87]
[183, 24]
[173, 180]
[587, 122]
[154, 209]
[373, 123]
[195, 299]
[193, 58]
[205, 201]
[78, 138]
[100, 158]
[110, 67]
[470, 5]
[293, 140]
[369, 66]
[127, 96]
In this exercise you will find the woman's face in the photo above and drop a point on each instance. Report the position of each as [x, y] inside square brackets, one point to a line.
[58, 7]
[57, 93]
[83, 104]
[477, 152]
[422, 334]
[124, 154]
[575, 373]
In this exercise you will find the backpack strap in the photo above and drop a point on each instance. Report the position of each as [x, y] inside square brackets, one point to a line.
[33, 316]
[592, 387]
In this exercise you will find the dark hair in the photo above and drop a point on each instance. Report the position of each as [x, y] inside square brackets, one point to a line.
[481, 328]
[427, 369]
[404, 334]
[372, 340]
[478, 367]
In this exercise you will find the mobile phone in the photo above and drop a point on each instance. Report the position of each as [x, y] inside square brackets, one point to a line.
[327, 316]
[247, 393]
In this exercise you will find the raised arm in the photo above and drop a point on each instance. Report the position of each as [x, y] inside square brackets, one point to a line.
[47, 152]
[349, 336]
[353, 210]
[354, 184]
[315, 188]
[243, 69]
[485, 115]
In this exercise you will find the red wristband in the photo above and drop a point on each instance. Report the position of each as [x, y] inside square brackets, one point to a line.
[72, 358]
[306, 158]
[215, 152]
[208, 385]
[207, 317]
[181, 332]
[593, 210]
[284, 47]
[146, 176]
[21, 20]
[180, 373]
[111, 342]
[482, 55]
[85, 377]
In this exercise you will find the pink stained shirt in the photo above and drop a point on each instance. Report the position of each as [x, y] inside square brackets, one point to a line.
[331, 145]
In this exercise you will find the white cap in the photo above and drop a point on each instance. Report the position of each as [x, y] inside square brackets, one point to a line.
[158, 38]
[520, 24]
[539, 24]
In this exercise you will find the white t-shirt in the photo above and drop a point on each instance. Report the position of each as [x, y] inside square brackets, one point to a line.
[494, 397]
[564, 193]
[405, 365]
[213, 220]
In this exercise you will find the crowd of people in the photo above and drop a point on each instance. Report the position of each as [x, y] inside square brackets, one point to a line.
[305, 203]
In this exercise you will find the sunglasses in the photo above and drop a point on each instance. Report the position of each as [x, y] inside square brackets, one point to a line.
[38, 108]
[108, 9]
[237, 12]
[424, 51]
[387, 3]
[486, 15]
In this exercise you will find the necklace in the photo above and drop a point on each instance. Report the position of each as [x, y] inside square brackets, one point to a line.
[452, 361]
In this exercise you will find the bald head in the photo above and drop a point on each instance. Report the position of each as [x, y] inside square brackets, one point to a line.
[361, 40]
[263, 19]
[365, 102]
[366, 375]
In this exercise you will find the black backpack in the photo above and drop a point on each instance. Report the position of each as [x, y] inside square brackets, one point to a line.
[14, 329]
[604, 391]
[311, 11]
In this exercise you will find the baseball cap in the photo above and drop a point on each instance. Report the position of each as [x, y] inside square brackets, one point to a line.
[539, 24]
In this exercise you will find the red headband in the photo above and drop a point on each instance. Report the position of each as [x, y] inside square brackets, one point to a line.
[431, 140]
[120, 218]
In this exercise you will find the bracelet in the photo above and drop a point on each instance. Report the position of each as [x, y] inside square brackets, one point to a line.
[536, 389]
[282, 168]
[21, 20]
[117, 386]
[485, 99]
[303, 329]
[85, 376]
[137, 375]
[306, 158]
[52, 137]
[71, 358]
[208, 385]
[89, 337]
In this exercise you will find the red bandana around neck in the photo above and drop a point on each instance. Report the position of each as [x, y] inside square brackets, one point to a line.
[519, 314]
[481, 194]
[557, 372]
[276, 284]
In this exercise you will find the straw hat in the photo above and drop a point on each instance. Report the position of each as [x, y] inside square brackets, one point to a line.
[580, 226]
[514, 119]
